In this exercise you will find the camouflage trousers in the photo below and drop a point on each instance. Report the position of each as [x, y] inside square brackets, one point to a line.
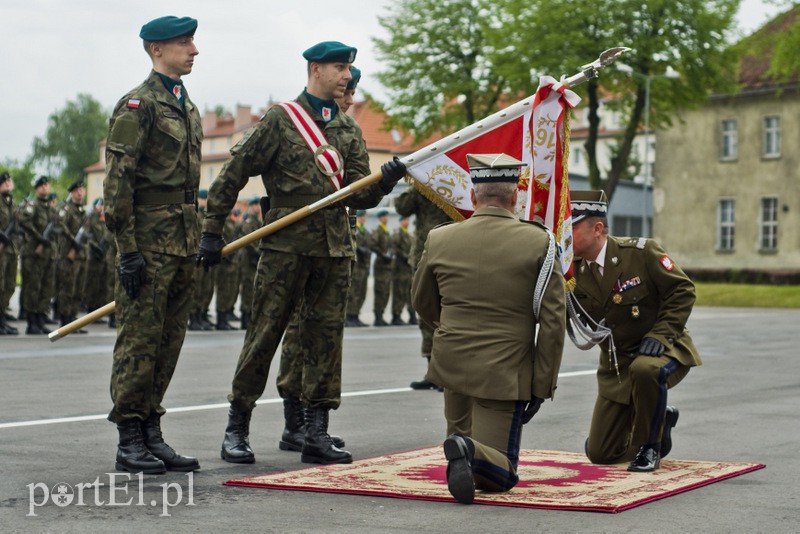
[382, 280]
[150, 333]
[358, 289]
[227, 284]
[70, 275]
[96, 288]
[37, 280]
[247, 276]
[204, 282]
[317, 288]
[8, 276]
[290, 372]
[401, 291]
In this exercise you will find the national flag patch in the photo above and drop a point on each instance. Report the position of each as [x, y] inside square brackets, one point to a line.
[667, 263]
[133, 104]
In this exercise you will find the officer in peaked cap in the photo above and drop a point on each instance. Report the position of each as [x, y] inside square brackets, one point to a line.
[644, 299]
[155, 136]
[486, 271]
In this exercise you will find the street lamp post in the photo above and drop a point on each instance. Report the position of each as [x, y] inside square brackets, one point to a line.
[671, 74]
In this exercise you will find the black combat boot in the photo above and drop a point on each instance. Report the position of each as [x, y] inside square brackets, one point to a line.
[379, 320]
[194, 323]
[132, 455]
[42, 320]
[294, 430]
[112, 320]
[412, 319]
[154, 441]
[5, 328]
[245, 320]
[349, 320]
[318, 447]
[222, 322]
[205, 321]
[33, 325]
[397, 320]
[236, 445]
[358, 322]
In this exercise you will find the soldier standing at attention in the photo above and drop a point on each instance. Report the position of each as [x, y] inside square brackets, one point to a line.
[37, 221]
[358, 287]
[248, 260]
[227, 277]
[401, 274]
[428, 216]
[645, 299]
[95, 293]
[8, 251]
[71, 268]
[488, 284]
[150, 194]
[204, 280]
[381, 242]
[306, 264]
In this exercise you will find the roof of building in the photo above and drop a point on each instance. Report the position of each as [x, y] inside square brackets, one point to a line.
[758, 49]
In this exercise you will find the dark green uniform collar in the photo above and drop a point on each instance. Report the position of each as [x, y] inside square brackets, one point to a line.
[164, 96]
[175, 87]
[327, 109]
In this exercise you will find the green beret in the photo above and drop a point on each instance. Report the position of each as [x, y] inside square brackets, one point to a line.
[330, 52]
[41, 180]
[5, 176]
[361, 213]
[52, 196]
[166, 28]
[253, 201]
[382, 213]
[75, 185]
[98, 200]
[356, 77]
[203, 193]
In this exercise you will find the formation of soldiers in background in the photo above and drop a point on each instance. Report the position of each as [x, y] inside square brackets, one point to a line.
[66, 260]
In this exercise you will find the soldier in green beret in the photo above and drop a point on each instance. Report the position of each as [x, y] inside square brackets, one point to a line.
[381, 243]
[645, 299]
[71, 268]
[150, 195]
[305, 266]
[401, 274]
[8, 250]
[358, 288]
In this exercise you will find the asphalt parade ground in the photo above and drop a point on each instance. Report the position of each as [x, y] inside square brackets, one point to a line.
[741, 406]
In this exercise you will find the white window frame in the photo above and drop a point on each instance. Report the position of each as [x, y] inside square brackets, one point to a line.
[771, 141]
[768, 224]
[729, 140]
[726, 229]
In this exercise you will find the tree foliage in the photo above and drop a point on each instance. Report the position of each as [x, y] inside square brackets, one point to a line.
[72, 139]
[504, 49]
[22, 175]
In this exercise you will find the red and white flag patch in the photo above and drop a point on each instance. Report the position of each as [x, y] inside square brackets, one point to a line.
[667, 263]
[133, 104]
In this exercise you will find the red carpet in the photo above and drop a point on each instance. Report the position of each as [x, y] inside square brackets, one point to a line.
[548, 479]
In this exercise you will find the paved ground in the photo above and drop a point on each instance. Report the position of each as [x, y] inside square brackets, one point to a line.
[740, 406]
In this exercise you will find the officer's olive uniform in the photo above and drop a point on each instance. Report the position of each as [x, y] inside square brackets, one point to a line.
[150, 194]
[306, 264]
[642, 293]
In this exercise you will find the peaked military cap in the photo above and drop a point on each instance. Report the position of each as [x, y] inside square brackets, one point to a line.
[203, 193]
[587, 204]
[485, 168]
[4, 176]
[356, 77]
[166, 28]
[41, 180]
[330, 52]
[75, 185]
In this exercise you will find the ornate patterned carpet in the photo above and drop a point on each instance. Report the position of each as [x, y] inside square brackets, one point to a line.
[553, 480]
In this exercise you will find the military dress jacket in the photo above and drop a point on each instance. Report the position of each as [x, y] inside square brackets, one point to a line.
[153, 171]
[475, 284]
[643, 293]
[276, 151]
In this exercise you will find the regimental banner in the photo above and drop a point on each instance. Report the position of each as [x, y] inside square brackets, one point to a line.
[533, 131]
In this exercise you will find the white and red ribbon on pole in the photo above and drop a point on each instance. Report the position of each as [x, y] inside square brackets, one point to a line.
[327, 158]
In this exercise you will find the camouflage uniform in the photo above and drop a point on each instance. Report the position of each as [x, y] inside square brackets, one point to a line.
[358, 287]
[428, 216]
[204, 282]
[401, 273]
[381, 241]
[71, 268]
[8, 254]
[95, 289]
[38, 255]
[227, 275]
[305, 265]
[150, 194]
[248, 263]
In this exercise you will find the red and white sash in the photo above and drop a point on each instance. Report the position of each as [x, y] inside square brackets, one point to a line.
[327, 158]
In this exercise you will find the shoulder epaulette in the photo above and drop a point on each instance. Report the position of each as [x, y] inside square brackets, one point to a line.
[638, 242]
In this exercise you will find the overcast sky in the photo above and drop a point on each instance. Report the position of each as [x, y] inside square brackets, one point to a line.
[250, 50]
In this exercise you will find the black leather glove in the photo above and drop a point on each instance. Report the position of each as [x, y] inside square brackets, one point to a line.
[210, 253]
[530, 410]
[651, 347]
[4, 239]
[392, 172]
[132, 272]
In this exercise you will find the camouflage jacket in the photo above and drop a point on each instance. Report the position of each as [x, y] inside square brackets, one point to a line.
[71, 218]
[153, 148]
[381, 244]
[401, 246]
[7, 214]
[33, 221]
[250, 253]
[428, 216]
[274, 149]
[363, 250]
